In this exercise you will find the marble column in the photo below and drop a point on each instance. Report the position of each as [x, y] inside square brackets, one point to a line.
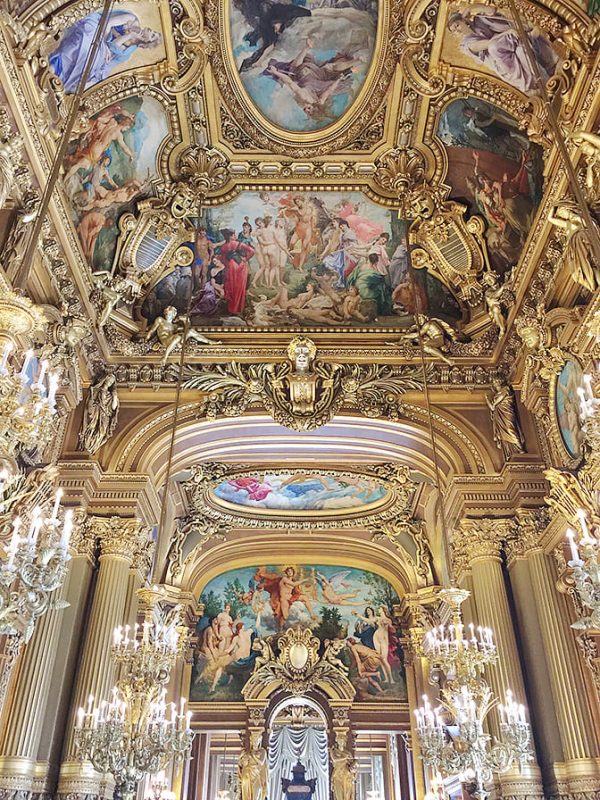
[580, 771]
[120, 539]
[479, 547]
[24, 716]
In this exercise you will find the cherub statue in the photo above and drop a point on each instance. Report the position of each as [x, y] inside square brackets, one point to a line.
[493, 297]
[170, 330]
[110, 290]
[577, 256]
[430, 333]
[588, 145]
[333, 647]
[10, 153]
[505, 422]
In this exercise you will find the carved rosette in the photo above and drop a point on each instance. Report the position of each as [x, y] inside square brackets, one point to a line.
[120, 537]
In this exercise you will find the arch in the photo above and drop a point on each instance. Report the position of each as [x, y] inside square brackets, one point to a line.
[143, 444]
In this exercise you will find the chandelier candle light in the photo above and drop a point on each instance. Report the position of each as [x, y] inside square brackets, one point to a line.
[137, 733]
[585, 551]
[28, 403]
[452, 736]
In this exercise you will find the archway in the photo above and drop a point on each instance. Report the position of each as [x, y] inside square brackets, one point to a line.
[298, 732]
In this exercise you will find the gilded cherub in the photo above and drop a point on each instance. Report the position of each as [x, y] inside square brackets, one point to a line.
[109, 291]
[170, 330]
[431, 334]
[588, 145]
[493, 298]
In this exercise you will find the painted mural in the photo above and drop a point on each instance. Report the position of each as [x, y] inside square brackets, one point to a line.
[107, 167]
[303, 63]
[567, 406]
[285, 259]
[485, 36]
[494, 168]
[299, 491]
[132, 39]
[336, 602]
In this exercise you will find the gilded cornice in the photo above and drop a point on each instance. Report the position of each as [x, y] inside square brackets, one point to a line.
[120, 537]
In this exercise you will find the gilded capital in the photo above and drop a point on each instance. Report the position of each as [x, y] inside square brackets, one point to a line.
[479, 539]
[83, 536]
[530, 524]
[123, 537]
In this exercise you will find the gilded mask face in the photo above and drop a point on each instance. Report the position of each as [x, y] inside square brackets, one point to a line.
[302, 358]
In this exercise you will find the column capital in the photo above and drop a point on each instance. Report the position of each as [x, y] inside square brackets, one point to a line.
[479, 539]
[123, 537]
[529, 528]
[83, 536]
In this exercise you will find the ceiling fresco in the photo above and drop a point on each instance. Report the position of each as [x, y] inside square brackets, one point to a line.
[330, 167]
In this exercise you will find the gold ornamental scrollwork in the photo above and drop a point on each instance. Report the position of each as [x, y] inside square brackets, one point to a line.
[303, 393]
[292, 662]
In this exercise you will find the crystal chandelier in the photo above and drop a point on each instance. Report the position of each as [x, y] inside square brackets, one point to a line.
[452, 737]
[32, 567]
[28, 401]
[585, 551]
[137, 733]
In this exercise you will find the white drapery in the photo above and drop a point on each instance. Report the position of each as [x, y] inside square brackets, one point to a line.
[287, 746]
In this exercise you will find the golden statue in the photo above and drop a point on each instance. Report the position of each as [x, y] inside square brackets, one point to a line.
[505, 423]
[343, 772]
[252, 768]
[109, 291]
[577, 256]
[100, 414]
[170, 332]
[10, 153]
[431, 334]
[302, 382]
[492, 297]
[588, 144]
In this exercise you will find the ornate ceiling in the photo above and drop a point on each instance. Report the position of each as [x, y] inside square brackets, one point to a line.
[336, 169]
[265, 165]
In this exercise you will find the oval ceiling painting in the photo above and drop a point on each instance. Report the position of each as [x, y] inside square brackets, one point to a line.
[303, 63]
[300, 491]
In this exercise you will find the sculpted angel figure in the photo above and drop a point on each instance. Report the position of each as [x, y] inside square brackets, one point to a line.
[170, 330]
[577, 255]
[100, 415]
[430, 333]
[343, 773]
[111, 290]
[10, 152]
[505, 422]
[252, 768]
[588, 145]
[492, 297]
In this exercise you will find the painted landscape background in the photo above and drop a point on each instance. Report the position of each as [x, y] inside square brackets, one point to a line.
[337, 602]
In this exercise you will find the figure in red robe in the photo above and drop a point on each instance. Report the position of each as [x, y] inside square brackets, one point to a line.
[235, 255]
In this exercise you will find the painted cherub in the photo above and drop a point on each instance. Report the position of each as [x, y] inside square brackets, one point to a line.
[170, 330]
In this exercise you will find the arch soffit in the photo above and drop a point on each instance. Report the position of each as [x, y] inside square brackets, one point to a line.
[142, 446]
[335, 548]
